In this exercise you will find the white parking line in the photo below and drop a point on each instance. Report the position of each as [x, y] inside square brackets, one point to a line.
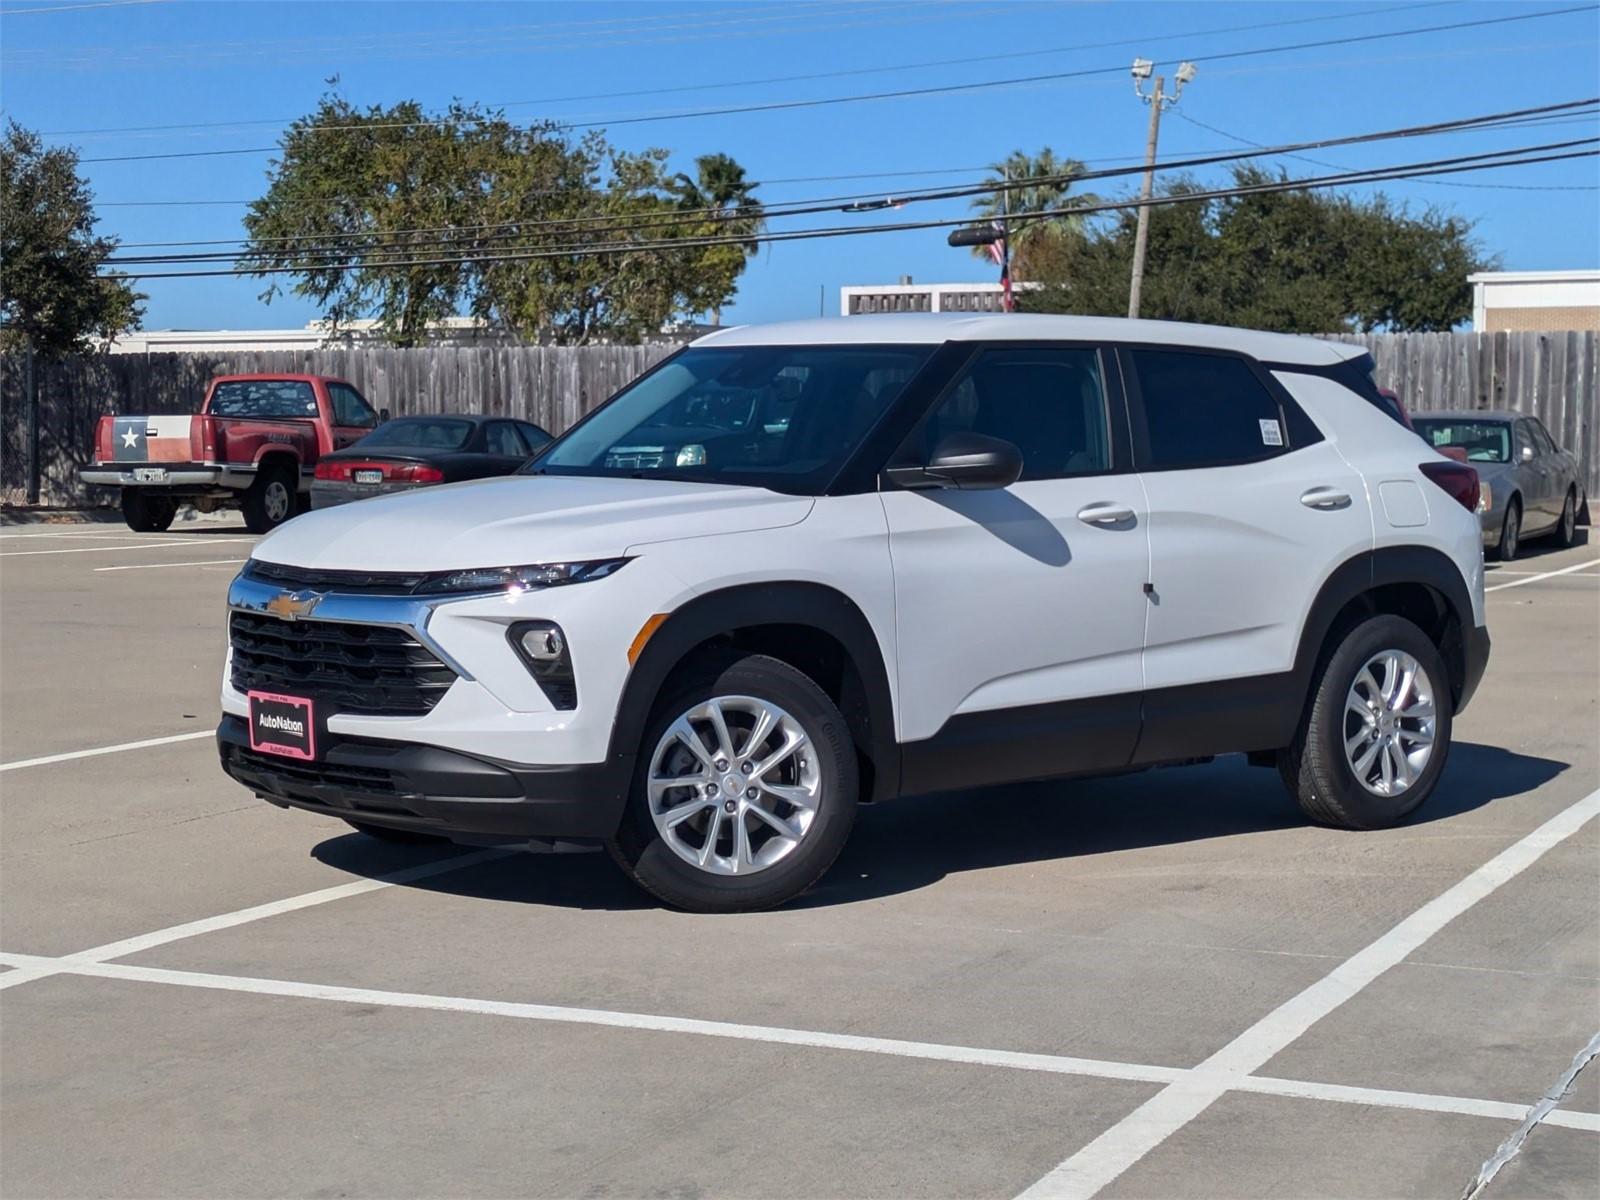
[1094, 1166]
[210, 541]
[208, 562]
[99, 750]
[81, 964]
[1500, 587]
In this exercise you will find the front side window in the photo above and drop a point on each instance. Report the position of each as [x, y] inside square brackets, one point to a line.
[1483, 441]
[1546, 443]
[263, 398]
[1049, 403]
[781, 417]
[1205, 410]
[349, 408]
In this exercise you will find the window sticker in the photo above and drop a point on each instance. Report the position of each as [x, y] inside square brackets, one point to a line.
[1271, 433]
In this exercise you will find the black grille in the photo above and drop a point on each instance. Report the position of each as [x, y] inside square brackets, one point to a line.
[307, 777]
[368, 669]
[373, 583]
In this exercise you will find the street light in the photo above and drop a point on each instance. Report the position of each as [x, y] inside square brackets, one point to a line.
[1158, 100]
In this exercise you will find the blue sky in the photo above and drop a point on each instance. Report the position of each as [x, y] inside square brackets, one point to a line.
[91, 66]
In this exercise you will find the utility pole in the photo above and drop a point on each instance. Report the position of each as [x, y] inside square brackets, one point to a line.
[1006, 302]
[31, 393]
[1157, 100]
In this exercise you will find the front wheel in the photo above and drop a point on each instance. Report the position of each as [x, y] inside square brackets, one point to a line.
[745, 790]
[1375, 737]
[1510, 534]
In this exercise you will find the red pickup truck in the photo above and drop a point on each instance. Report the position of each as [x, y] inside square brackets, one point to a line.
[255, 442]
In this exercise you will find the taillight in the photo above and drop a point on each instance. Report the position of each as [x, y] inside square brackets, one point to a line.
[102, 440]
[331, 471]
[204, 430]
[419, 474]
[1457, 479]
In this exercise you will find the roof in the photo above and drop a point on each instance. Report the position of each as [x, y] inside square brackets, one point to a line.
[278, 376]
[1586, 275]
[1469, 414]
[934, 328]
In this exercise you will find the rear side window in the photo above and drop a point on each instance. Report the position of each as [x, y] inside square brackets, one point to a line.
[502, 438]
[1205, 410]
[263, 398]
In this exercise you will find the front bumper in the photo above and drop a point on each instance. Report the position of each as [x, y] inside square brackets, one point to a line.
[428, 789]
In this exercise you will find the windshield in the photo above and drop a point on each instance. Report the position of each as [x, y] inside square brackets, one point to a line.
[782, 417]
[263, 398]
[430, 433]
[1484, 441]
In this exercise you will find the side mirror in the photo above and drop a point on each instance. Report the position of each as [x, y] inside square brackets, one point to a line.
[383, 415]
[1527, 454]
[968, 461]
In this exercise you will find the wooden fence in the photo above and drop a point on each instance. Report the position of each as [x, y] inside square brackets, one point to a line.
[1555, 376]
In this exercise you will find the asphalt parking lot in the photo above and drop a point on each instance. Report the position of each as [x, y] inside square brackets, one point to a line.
[1164, 984]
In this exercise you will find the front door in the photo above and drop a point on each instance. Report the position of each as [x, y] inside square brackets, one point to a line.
[1020, 611]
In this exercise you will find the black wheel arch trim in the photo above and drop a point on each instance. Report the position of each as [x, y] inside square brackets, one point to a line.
[727, 611]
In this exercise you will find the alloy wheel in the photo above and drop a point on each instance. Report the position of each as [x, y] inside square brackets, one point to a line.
[1389, 723]
[276, 501]
[734, 785]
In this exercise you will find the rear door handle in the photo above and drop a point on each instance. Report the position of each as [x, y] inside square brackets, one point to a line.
[1325, 498]
[1105, 514]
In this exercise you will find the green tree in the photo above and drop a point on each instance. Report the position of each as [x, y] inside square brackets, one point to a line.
[53, 295]
[719, 188]
[1296, 261]
[390, 213]
[1047, 187]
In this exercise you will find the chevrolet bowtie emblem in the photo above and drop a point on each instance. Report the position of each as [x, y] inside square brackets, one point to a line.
[293, 606]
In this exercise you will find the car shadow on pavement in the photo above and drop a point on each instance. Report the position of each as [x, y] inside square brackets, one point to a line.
[907, 844]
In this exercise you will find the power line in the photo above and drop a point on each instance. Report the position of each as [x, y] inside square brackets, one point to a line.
[1513, 118]
[908, 93]
[55, 8]
[1376, 175]
[805, 78]
[1321, 162]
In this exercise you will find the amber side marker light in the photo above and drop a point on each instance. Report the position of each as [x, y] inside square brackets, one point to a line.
[646, 631]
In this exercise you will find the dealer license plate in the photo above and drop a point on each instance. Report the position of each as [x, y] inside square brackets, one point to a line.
[150, 474]
[283, 725]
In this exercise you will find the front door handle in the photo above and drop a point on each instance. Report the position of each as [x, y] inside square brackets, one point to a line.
[1105, 514]
[1325, 498]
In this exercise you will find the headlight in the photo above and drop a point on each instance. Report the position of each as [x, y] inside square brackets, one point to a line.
[1485, 497]
[520, 579]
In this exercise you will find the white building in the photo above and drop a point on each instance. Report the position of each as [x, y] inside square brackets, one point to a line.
[452, 331]
[1517, 301]
[907, 296]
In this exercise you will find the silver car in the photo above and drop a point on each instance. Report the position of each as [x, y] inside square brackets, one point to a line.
[1530, 486]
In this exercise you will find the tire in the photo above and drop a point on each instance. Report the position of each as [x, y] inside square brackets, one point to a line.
[146, 512]
[1317, 769]
[1567, 527]
[401, 837]
[764, 868]
[1510, 534]
[269, 501]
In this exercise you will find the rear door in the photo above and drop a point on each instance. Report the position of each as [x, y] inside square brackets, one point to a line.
[1250, 510]
[1020, 611]
[353, 417]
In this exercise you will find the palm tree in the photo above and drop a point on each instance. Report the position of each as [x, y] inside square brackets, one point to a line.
[719, 188]
[1046, 180]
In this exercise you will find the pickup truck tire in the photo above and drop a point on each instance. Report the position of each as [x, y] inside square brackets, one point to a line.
[773, 751]
[146, 512]
[269, 501]
[1376, 734]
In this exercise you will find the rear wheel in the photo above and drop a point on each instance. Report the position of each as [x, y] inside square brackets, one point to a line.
[146, 512]
[745, 790]
[1567, 527]
[1377, 732]
[269, 501]
[1510, 533]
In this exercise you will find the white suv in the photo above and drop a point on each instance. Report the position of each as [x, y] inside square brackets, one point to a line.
[801, 567]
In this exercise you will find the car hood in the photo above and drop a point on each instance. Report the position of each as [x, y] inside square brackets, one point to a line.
[516, 519]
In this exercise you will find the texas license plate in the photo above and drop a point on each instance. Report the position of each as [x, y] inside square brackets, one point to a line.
[368, 476]
[150, 474]
[283, 725]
